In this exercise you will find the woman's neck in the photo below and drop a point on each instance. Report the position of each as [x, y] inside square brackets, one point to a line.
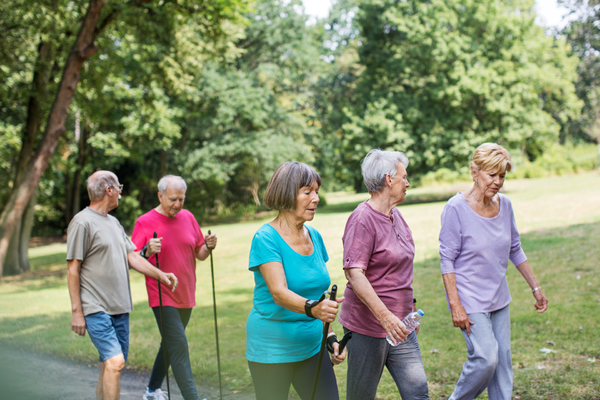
[381, 202]
[287, 222]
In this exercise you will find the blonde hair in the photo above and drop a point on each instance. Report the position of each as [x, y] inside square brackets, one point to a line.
[491, 157]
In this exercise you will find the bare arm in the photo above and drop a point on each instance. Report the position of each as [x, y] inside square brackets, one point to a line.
[141, 265]
[365, 292]
[284, 297]
[541, 302]
[459, 315]
[77, 318]
[210, 241]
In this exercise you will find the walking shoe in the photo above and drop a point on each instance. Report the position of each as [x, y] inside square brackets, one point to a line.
[158, 394]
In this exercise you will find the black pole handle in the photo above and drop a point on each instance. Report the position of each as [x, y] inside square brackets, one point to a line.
[155, 236]
[344, 341]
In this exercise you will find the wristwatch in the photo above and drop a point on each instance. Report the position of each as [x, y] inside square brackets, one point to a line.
[309, 305]
[143, 252]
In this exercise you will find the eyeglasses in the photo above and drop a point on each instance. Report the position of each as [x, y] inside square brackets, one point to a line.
[120, 187]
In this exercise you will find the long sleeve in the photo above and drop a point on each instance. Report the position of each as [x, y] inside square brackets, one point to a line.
[517, 255]
[450, 239]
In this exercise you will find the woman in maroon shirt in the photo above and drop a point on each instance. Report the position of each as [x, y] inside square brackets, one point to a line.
[378, 263]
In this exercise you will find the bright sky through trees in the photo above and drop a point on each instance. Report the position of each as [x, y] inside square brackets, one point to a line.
[550, 14]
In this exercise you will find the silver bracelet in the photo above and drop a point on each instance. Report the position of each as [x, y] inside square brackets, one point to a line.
[536, 289]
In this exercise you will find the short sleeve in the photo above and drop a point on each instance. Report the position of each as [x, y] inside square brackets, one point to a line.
[77, 245]
[450, 239]
[129, 245]
[264, 249]
[199, 234]
[358, 244]
[139, 236]
[517, 255]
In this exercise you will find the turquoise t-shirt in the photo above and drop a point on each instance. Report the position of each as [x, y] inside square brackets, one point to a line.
[275, 334]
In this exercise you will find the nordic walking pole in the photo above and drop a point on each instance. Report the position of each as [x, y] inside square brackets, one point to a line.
[212, 274]
[323, 345]
[162, 329]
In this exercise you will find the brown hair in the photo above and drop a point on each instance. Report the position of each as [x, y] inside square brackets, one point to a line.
[491, 157]
[285, 183]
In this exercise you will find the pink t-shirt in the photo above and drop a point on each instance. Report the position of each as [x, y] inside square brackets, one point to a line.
[182, 238]
[385, 249]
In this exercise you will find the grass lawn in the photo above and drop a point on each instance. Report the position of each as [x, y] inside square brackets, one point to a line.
[559, 221]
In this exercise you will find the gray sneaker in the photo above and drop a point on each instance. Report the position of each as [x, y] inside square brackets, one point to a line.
[158, 394]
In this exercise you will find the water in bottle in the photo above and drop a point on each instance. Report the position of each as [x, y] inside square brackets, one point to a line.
[411, 321]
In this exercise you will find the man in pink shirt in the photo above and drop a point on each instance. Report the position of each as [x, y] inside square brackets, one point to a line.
[179, 243]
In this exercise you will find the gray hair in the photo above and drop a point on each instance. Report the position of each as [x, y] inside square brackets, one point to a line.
[379, 163]
[98, 182]
[173, 180]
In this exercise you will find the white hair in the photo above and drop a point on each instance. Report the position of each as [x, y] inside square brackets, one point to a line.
[97, 184]
[379, 163]
[173, 181]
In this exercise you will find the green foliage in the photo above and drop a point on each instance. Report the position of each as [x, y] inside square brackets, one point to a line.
[559, 160]
[442, 77]
[583, 35]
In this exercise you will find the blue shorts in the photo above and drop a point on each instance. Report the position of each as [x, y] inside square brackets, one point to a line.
[109, 333]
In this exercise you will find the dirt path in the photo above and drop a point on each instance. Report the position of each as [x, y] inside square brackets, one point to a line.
[28, 376]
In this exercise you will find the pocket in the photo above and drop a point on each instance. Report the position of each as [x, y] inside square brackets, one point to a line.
[470, 348]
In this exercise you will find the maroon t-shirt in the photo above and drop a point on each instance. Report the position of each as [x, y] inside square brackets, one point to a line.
[182, 238]
[385, 249]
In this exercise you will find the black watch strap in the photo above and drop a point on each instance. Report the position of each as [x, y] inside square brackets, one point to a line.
[308, 307]
[143, 252]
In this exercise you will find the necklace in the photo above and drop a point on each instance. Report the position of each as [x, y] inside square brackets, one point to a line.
[479, 202]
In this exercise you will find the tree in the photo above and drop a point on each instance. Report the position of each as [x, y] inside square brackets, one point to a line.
[441, 77]
[209, 18]
[583, 35]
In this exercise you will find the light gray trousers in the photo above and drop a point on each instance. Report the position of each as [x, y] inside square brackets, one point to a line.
[368, 355]
[489, 364]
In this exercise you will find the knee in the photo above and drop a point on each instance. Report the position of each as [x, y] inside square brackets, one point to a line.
[489, 362]
[115, 364]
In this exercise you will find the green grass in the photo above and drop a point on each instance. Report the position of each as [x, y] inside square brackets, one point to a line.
[559, 219]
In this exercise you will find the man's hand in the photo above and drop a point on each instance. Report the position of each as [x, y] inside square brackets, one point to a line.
[211, 240]
[154, 247]
[168, 278]
[78, 323]
[394, 327]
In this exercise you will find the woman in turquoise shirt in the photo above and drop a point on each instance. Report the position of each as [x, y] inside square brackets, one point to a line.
[283, 333]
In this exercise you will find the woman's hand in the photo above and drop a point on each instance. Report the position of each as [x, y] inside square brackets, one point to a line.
[337, 358]
[394, 327]
[327, 310]
[461, 318]
[541, 302]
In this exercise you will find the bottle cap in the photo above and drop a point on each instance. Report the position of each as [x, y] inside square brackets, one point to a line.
[421, 313]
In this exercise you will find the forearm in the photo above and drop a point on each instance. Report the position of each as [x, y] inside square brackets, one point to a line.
[203, 253]
[141, 265]
[73, 268]
[525, 270]
[365, 292]
[451, 290]
[287, 299]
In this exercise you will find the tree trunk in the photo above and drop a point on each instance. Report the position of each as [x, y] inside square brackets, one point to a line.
[83, 48]
[26, 226]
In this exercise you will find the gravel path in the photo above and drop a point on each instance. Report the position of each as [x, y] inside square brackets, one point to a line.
[28, 376]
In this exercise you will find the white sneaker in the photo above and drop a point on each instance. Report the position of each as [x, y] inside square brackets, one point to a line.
[158, 394]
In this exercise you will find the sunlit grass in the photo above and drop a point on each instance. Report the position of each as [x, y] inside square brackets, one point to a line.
[559, 219]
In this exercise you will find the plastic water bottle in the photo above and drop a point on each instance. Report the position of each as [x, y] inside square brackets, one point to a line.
[411, 321]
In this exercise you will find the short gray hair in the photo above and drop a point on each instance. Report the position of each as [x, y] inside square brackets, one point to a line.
[379, 163]
[173, 180]
[97, 184]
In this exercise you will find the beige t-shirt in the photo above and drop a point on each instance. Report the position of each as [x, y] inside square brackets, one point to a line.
[102, 245]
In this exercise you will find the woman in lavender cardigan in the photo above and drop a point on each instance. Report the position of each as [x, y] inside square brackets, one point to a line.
[478, 237]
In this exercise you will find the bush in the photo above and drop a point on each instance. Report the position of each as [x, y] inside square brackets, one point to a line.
[559, 160]
[444, 176]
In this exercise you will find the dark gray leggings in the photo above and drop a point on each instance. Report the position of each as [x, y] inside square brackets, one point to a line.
[368, 355]
[272, 381]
